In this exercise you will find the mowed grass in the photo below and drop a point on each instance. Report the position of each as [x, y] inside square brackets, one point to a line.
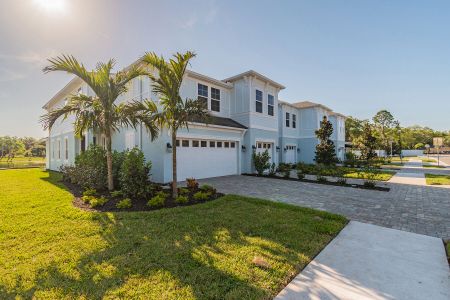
[434, 179]
[383, 175]
[22, 162]
[433, 166]
[52, 250]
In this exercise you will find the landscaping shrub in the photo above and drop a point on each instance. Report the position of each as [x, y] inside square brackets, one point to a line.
[282, 167]
[117, 162]
[90, 170]
[300, 174]
[273, 169]
[321, 178]
[208, 188]
[261, 161]
[124, 203]
[340, 173]
[369, 173]
[95, 201]
[183, 191]
[191, 183]
[201, 196]
[134, 174]
[89, 192]
[287, 173]
[182, 199]
[158, 200]
[116, 194]
[86, 199]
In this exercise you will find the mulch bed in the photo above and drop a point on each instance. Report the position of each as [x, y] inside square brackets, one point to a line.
[357, 186]
[138, 205]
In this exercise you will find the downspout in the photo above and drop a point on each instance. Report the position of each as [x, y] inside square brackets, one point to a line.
[140, 124]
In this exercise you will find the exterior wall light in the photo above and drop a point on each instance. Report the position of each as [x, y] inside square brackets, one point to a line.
[298, 150]
[169, 147]
[285, 149]
[243, 148]
[278, 148]
[253, 147]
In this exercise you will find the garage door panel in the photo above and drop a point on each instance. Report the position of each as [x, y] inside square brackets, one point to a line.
[204, 162]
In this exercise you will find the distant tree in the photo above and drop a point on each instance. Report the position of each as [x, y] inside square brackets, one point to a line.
[325, 150]
[368, 142]
[383, 121]
[419, 146]
[353, 129]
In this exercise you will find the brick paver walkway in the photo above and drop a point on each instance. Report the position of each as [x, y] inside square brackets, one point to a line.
[414, 208]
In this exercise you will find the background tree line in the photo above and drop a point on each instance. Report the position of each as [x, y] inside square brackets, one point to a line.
[11, 146]
[384, 129]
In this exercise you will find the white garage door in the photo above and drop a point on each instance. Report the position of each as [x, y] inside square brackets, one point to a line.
[206, 158]
[290, 154]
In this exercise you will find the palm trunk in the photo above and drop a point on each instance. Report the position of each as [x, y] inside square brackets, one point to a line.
[174, 164]
[109, 161]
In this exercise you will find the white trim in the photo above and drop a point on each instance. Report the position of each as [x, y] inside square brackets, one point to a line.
[264, 140]
[207, 137]
[289, 136]
[215, 127]
[253, 113]
[263, 128]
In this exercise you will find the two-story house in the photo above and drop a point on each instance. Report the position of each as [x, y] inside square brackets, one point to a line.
[297, 125]
[246, 117]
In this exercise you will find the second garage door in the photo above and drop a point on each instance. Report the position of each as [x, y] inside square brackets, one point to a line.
[206, 158]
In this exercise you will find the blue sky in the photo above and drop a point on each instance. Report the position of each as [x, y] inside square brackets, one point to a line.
[356, 57]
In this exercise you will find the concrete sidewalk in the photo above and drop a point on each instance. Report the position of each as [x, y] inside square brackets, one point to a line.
[370, 262]
[411, 173]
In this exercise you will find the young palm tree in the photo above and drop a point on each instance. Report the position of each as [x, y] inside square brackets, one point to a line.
[98, 112]
[175, 112]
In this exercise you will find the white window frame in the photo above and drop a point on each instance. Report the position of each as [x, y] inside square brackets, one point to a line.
[201, 97]
[270, 106]
[287, 123]
[259, 101]
[66, 148]
[215, 99]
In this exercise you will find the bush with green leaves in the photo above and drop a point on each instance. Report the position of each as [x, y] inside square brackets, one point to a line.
[90, 192]
[183, 191]
[180, 199]
[201, 196]
[340, 173]
[192, 183]
[95, 201]
[261, 161]
[208, 188]
[124, 203]
[90, 169]
[369, 173]
[158, 200]
[287, 173]
[300, 174]
[134, 174]
[116, 194]
[272, 169]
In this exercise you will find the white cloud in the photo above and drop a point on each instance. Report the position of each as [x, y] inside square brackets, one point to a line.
[208, 17]
[191, 22]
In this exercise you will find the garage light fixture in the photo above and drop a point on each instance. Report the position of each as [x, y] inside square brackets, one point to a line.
[253, 147]
[298, 150]
[169, 147]
[278, 148]
[243, 148]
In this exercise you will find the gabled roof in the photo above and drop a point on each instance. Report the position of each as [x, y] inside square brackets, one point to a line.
[256, 74]
[208, 79]
[73, 83]
[309, 104]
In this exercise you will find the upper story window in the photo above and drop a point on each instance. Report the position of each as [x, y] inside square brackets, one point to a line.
[294, 121]
[288, 119]
[203, 94]
[259, 101]
[215, 99]
[270, 104]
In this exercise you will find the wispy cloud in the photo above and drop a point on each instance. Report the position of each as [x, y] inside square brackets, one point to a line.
[208, 17]
[19, 66]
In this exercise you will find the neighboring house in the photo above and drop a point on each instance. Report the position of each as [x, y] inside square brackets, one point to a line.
[245, 118]
[297, 125]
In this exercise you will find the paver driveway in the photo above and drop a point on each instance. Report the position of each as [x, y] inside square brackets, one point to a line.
[419, 209]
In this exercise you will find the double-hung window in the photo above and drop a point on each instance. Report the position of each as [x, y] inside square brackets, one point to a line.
[203, 94]
[287, 119]
[259, 101]
[270, 105]
[59, 149]
[215, 99]
[294, 121]
[66, 148]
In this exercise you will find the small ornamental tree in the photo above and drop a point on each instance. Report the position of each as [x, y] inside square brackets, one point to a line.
[368, 143]
[261, 161]
[325, 150]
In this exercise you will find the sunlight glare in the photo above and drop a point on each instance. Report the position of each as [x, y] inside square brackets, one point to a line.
[51, 6]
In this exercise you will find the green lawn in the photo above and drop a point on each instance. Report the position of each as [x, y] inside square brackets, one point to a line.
[52, 250]
[404, 159]
[425, 160]
[433, 179]
[433, 166]
[383, 175]
[22, 162]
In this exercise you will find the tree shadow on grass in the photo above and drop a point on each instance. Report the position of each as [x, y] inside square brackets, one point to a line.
[202, 252]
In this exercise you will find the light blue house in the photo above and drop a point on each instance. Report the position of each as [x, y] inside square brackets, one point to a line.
[246, 116]
[297, 125]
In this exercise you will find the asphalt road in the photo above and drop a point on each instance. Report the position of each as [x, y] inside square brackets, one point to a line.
[443, 158]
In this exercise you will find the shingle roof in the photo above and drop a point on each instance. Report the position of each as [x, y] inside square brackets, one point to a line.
[220, 121]
[308, 104]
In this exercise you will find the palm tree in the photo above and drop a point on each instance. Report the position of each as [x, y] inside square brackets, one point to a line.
[98, 112]
[175, 113]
